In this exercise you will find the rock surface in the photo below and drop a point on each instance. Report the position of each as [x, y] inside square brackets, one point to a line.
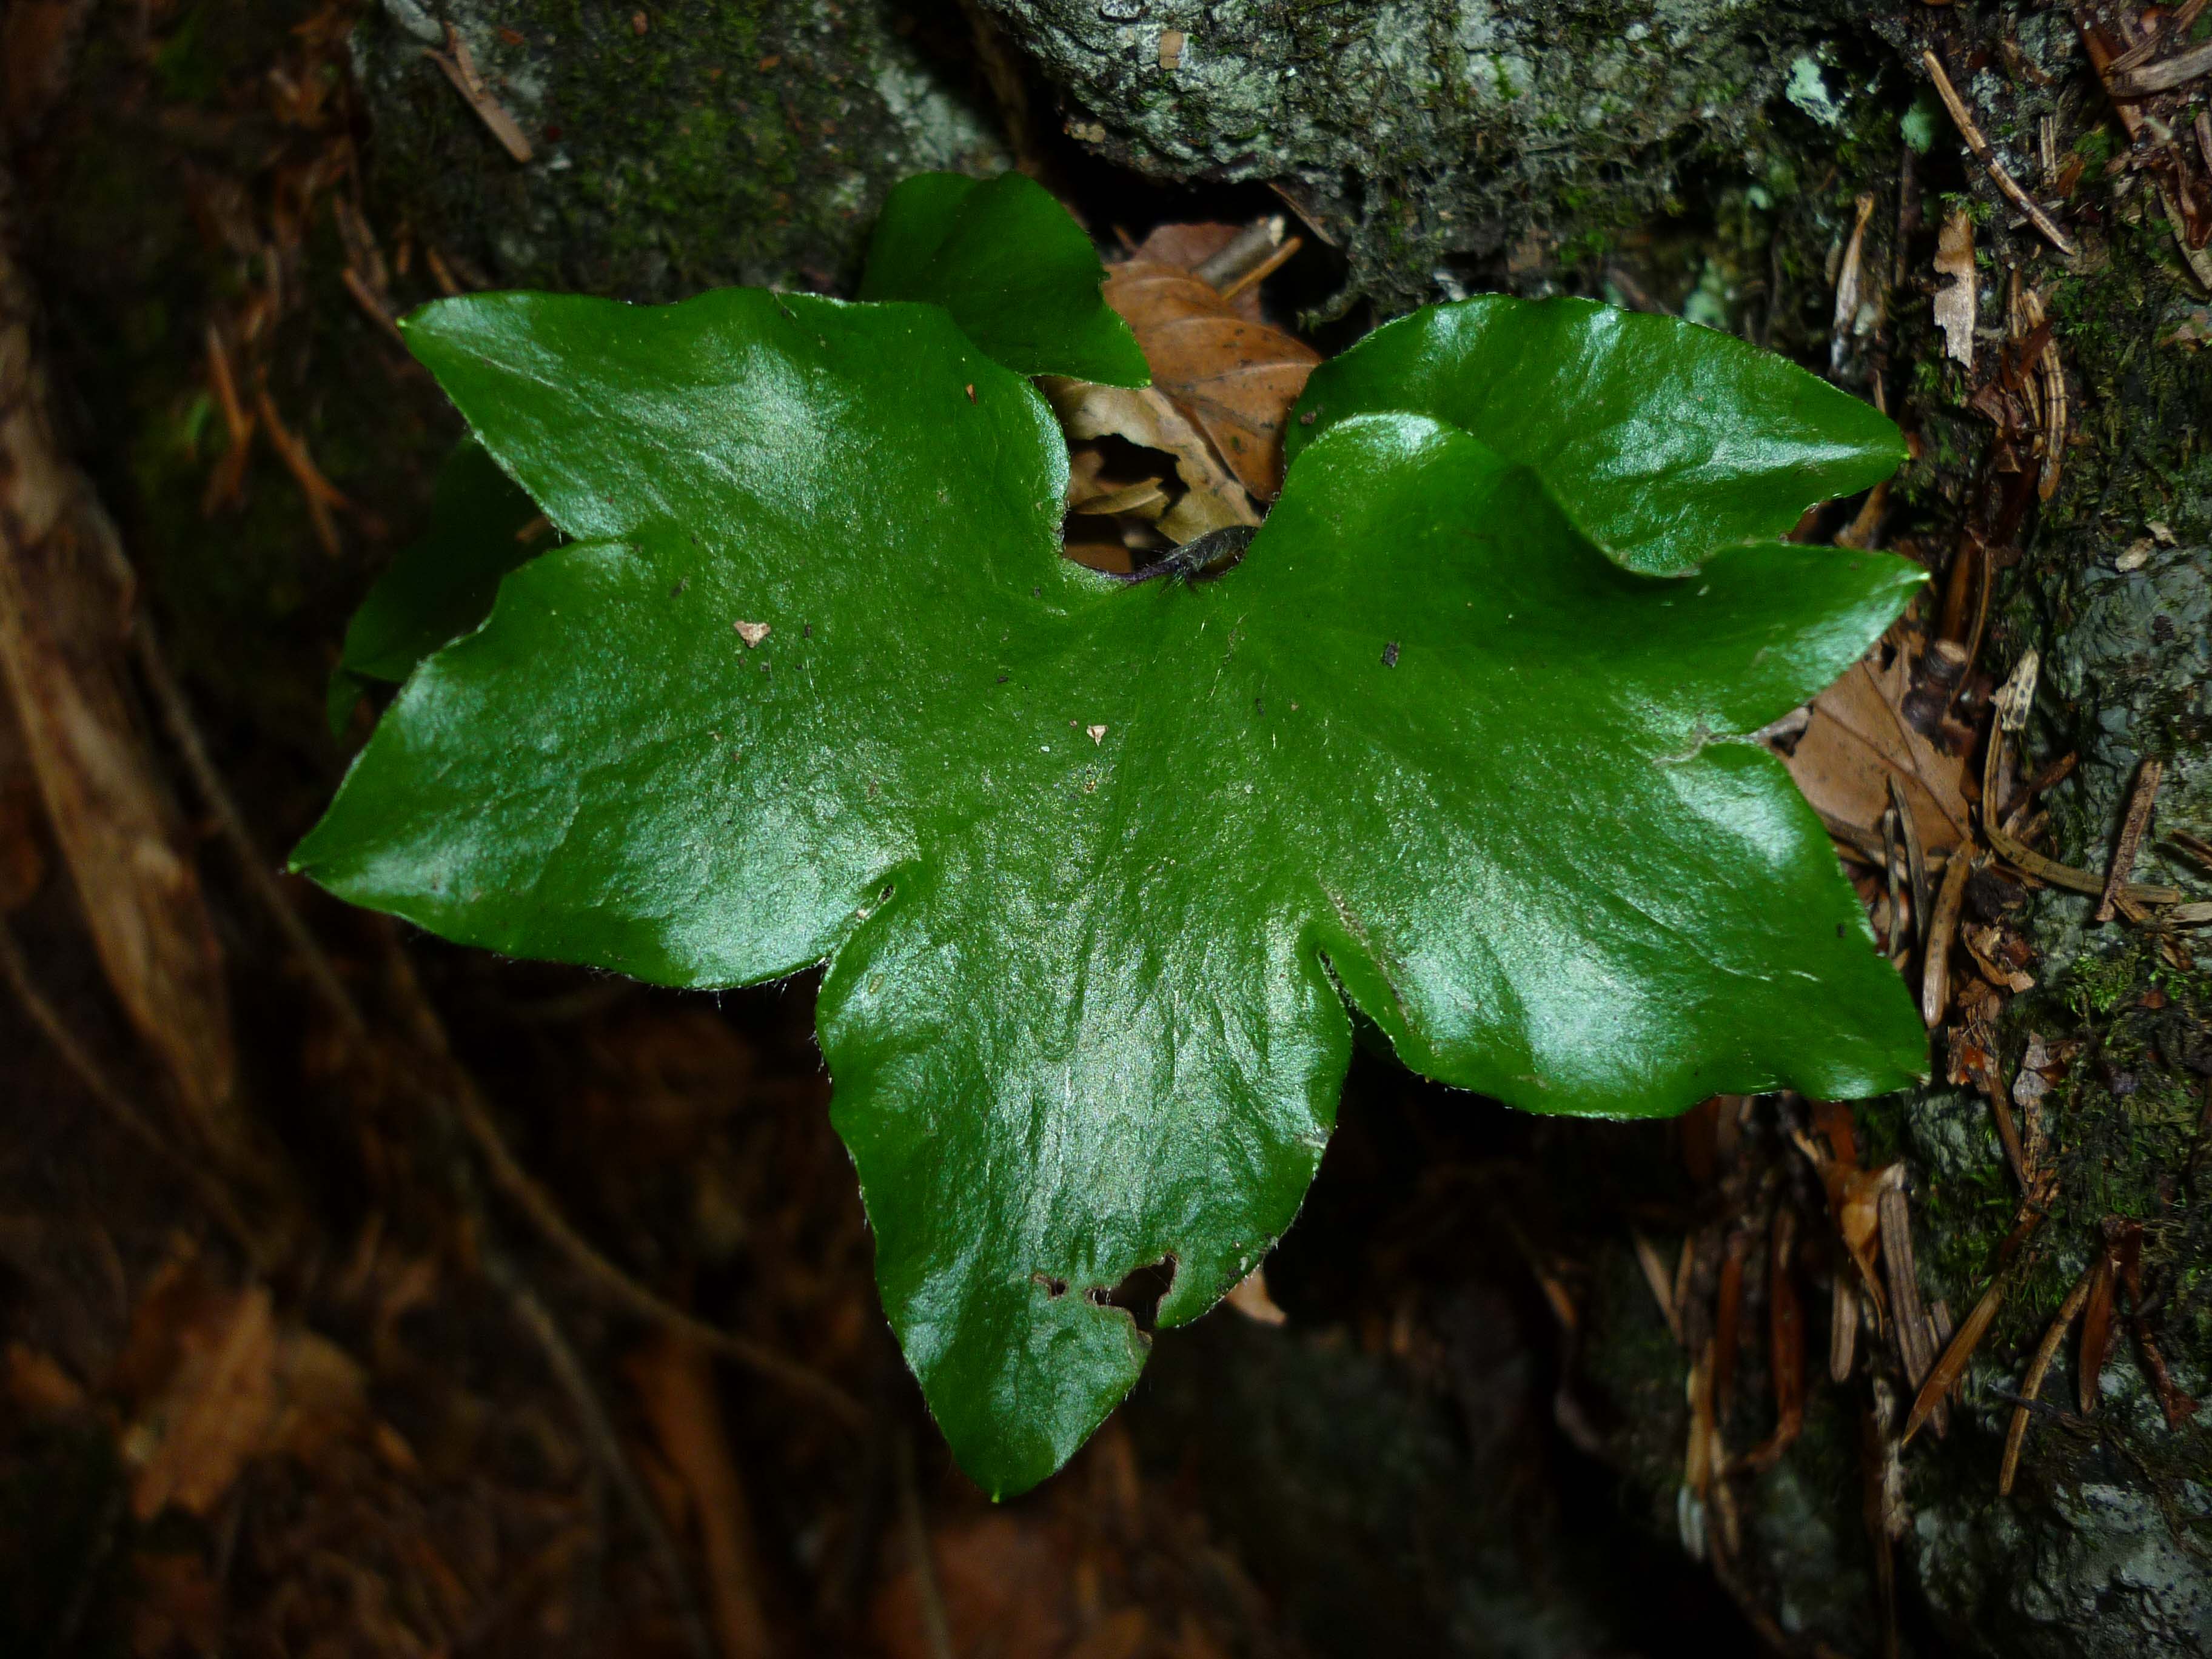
[1427, 138]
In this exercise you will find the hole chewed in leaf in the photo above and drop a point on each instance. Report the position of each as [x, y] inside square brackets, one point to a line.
[1054, 1288]
[1139, 1293]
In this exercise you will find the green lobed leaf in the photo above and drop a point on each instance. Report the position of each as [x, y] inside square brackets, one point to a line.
[1015, 271]
[441, 587]
[1094, 868]
[1662, 440]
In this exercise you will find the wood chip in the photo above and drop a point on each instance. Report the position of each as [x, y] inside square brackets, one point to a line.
[2161, 74]
[1848, 287]
[1955, 301]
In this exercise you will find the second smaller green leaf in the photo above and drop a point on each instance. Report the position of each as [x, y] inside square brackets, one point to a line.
[443, 586]
[1017, 273]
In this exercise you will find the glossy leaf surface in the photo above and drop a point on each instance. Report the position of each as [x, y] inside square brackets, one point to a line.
[1016, 272]
[1662, 440]
[1093, 867]
[441, 587]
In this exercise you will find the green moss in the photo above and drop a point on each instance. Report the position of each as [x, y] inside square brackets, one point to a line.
[730, 143]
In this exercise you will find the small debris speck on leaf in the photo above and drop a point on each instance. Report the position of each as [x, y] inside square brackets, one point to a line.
[1390, 654]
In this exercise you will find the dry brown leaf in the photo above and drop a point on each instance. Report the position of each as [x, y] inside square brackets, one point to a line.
[38, 1387]
[1955, 300]
[65, 601]
[1251, 1299]
[1857, 740]
[1213, 499]
[1188, 246]
[1854, 1201]
[1233, 376]
[221, 1381]
[190, 1444]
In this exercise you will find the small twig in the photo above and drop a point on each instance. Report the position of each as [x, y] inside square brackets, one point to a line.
[936, 1627]
[1843, 1328]
[1943, 926]
[1250, 248]
[440, 273]
[607, 1449]
[2199, 260]
[1960, 1349]
[2042, 783]
[112, 1100]
[229, 471]
[1939, 1339]
[461, 1094]
[320, 493]
[1656, 1276]
[2032, 1383]
[372, 307]
[2131, 834]
[2017, 853]
[2051, 372]
[1909, 1324]
[2008, 1134]
[1266, 268]
[1980, 146]
[176, 713]
[1891, 866]
[460, 69]
[1915, 858]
